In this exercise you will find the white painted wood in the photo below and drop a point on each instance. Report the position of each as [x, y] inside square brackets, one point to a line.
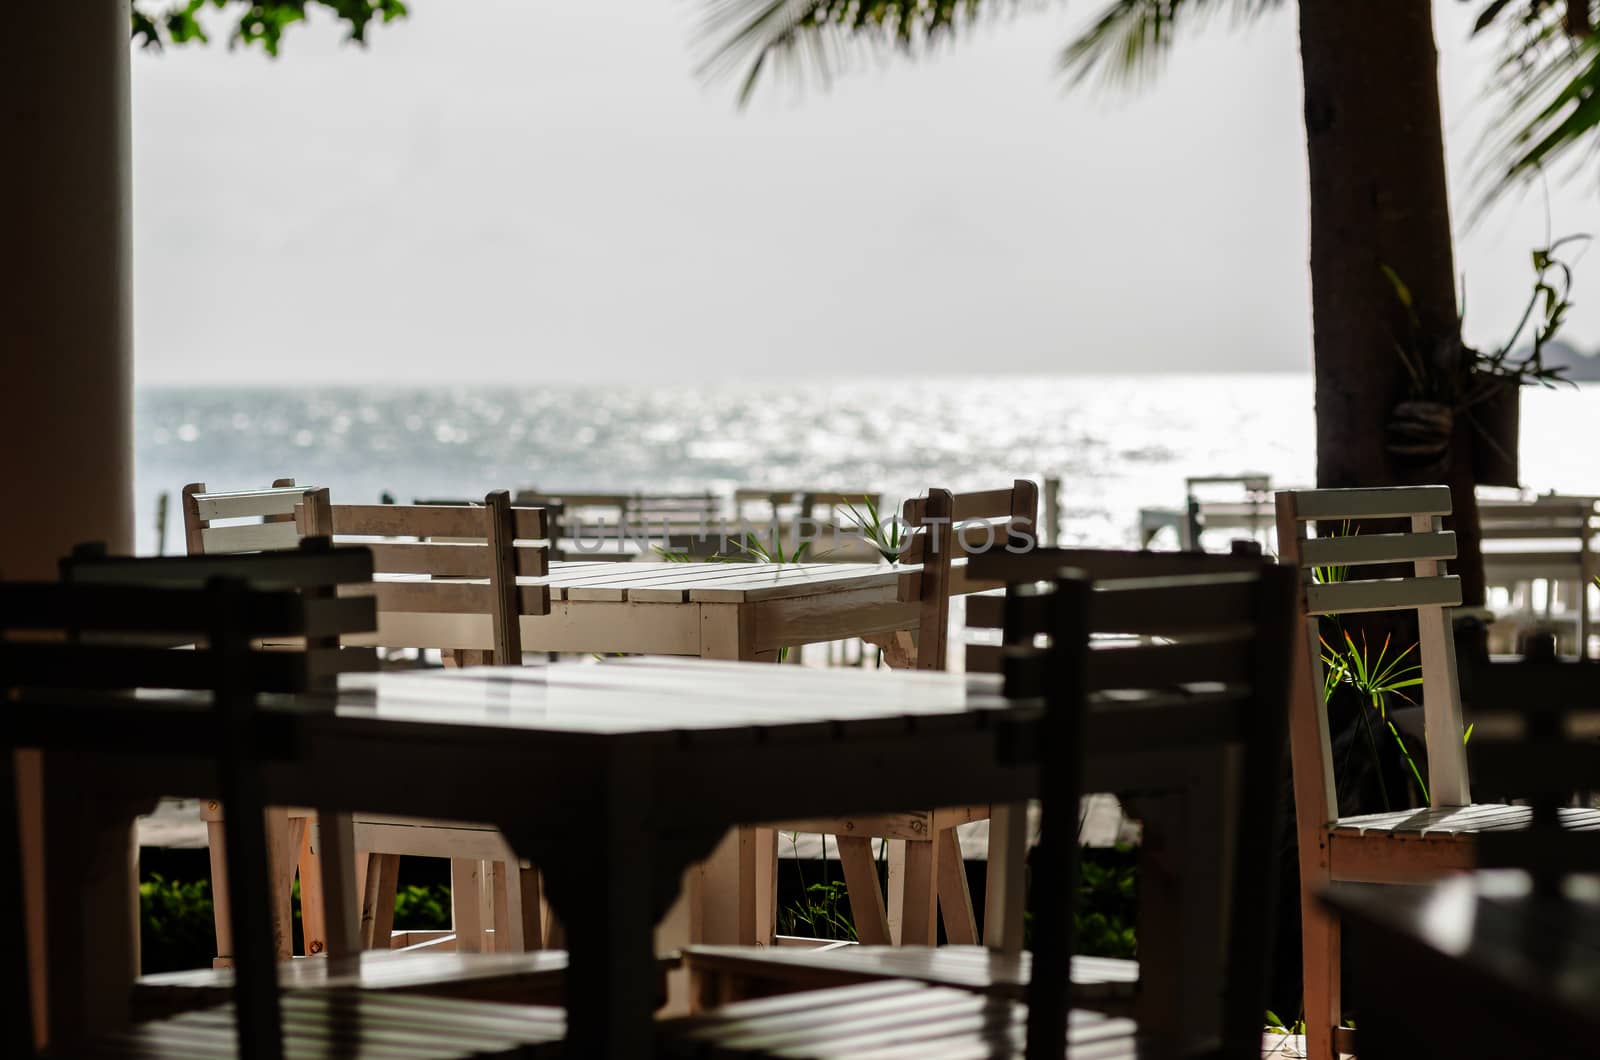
[1005, 892]
[1393, 502]
[1383, 594]
[246, 503]
[1447, 756]
[250, 537]
[1363, 549]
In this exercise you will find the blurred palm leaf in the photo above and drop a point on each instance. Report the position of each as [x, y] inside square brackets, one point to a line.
[1125, 44]
[1549, 78]
[754, 36]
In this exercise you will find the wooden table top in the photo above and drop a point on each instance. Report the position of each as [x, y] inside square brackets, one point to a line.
[671, 696]
[676, 583]
[1493, 931]
[710, 582]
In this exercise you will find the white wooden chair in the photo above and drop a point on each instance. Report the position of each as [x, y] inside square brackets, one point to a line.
[492, 906]
[1405, 846]
[926, 870]
[1218, 674]
[1548, 542]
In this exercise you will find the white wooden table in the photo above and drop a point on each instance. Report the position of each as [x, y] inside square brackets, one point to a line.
[613, 778]
[709, 610]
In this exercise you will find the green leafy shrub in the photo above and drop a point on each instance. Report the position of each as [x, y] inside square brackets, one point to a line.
[1108, 896]
[422, 908]
[177, 929]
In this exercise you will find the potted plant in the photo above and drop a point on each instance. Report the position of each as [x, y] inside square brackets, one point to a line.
[1484, 387]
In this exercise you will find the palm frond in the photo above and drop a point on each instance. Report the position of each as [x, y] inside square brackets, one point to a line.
[1549, 83]
[1127, 45]
[750, 38]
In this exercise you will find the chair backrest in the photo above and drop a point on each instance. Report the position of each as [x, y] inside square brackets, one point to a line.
[1323, 535]
[944, 525]
[1549, 539]
[86, 641]
[810, 503]
[1247, 508]
[1533, 738]
[591, 519]
[448, 573]
[1203, 644]
[240, 520]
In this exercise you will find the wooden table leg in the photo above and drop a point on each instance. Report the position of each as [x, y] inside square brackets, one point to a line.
[731, 909]
[602, 882]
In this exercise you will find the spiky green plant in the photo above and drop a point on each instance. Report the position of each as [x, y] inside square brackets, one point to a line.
[888, 537]
[1375, 679]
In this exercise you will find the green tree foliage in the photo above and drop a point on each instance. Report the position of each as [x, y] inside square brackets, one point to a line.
[262, 22]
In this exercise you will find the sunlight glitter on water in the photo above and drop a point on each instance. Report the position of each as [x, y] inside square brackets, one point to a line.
[1117, 443]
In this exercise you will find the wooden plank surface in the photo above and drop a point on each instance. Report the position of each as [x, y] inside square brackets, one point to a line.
[622, 697]
[245, 504]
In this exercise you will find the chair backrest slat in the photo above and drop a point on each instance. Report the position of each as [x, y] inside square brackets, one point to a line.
[298, 568]
[407, 520]
[1383, 594]
[279, 500]
[1392, 502]
[1369, 549]
[249, 537]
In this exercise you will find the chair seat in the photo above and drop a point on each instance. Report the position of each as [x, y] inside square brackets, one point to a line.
[353, 1026]
[886, 1020]
[1437, 840]
[535, 978]
[1458, 822]
[734, 972]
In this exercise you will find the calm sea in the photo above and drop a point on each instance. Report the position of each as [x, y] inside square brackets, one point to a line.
[1117, 443]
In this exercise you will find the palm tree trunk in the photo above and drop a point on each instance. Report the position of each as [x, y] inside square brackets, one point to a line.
[1378, 198]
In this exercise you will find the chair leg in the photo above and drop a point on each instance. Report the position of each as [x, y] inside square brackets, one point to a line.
[377, 900]
[343, 875]
[284, 836]
[766, 855]
[313, 921]
[866, 893]
[531, 907]
[1005, 878]
[216, 839]
[1319, 935]
[466, 905]
[955, 897]
[913, 896]
[509, 903]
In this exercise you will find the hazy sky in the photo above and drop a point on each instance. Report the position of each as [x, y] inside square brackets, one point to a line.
[497, 190]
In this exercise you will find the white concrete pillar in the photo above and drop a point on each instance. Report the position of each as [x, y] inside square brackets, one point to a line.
[66, 385]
